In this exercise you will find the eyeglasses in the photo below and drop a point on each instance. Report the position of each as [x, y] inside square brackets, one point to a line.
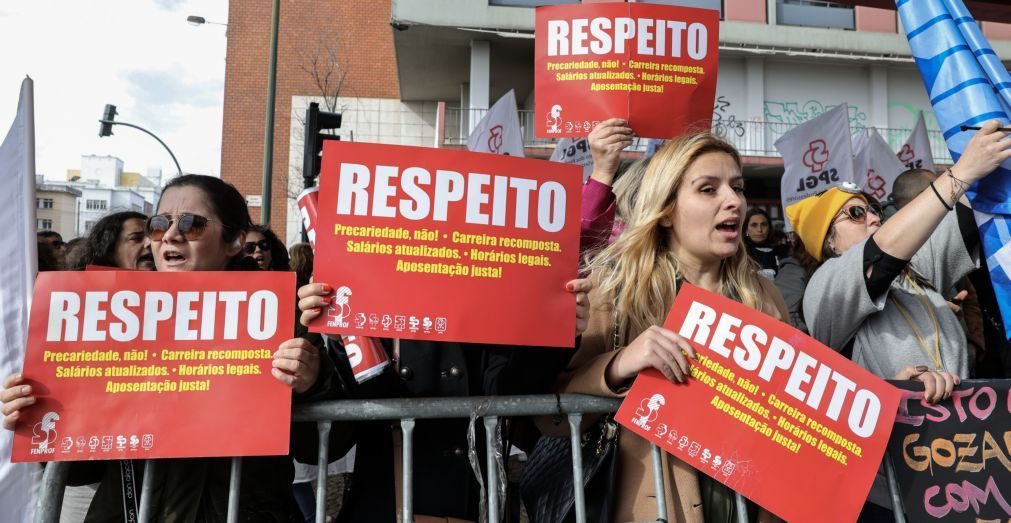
[250, 247]
[858, 213]
[191, 226]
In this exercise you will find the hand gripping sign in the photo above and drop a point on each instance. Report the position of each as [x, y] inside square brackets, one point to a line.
[132, 364]
[445, 245]
[769, 412]
[653, 65]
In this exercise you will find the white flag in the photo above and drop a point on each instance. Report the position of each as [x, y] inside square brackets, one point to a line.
[575, 152]
[18, 481]
[499, 131]
[876, 167]
[916, 153]
[816, 155]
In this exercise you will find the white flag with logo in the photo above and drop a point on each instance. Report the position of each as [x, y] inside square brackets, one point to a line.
[499, 131]
[876, 167]
[816, 155]
[18, 481]
[575, 152]
[916, 153]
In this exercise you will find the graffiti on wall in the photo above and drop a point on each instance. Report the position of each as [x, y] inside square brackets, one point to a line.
[725, 124]
[795, 113]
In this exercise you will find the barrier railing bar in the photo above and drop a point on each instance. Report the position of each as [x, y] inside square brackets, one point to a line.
[893, 490]
[234, 483]
[491, 467]
[54, 481]
[577, 466]
[323, 427]
[428, 408]
[147, 484]
[661, 494]
[407, 426]
[742, 508]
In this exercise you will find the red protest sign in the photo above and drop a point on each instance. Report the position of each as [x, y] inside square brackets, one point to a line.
[447, 245]
[131, 364]
[653, 65]
[769, 411]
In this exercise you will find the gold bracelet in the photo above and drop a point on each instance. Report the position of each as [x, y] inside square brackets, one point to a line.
[958, 188]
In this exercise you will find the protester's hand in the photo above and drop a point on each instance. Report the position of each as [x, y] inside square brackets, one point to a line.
[606, 140]
[312, 299]
[15, 396]
[657, 348]
[581, 289]
[296, 364]
[955, 303]
[984, 152]
[937, 385]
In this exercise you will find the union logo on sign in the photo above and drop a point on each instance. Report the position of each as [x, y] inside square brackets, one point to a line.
[816, 156]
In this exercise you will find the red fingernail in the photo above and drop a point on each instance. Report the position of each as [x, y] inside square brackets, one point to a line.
[569, 286]
[326, 288]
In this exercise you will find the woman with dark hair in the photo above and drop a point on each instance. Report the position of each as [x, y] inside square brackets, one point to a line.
[301, 262]
[201, 226]
[118, 240]
[263, 246]
[758, 240]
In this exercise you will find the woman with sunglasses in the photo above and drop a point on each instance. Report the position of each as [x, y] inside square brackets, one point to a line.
[878, 291]
[201, 226]
[263, 246]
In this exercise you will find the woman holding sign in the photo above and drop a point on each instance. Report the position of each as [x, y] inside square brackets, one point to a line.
[879, 288]
[686, 226]
[200, 226]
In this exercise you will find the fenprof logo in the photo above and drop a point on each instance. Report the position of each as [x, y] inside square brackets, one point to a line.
[44, 434]
[339, 310]
[816, 156]
[648, 410]
[555, 119]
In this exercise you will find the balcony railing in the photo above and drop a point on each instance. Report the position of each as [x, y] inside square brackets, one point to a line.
[751, 138]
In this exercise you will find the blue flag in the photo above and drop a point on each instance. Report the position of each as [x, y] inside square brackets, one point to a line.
[967, 85]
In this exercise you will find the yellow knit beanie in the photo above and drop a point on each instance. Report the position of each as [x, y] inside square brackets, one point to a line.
[812, 217]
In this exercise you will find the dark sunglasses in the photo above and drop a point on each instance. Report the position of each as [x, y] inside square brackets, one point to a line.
[250, 247]
[858, 213]
[191, 226]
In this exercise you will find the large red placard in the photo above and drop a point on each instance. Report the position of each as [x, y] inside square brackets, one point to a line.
[132, 364]
[447, 245]
[653, 65]
[769, 411]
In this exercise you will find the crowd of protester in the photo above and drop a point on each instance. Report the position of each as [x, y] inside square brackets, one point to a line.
[903, 297]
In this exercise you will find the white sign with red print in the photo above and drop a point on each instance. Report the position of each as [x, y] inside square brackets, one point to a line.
[817, 155]
[916, 153]
[876, 167]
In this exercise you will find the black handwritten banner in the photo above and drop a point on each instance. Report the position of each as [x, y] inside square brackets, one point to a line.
[953, 459]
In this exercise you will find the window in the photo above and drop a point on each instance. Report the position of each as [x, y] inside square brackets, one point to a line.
[88, 225]
[96, 205]
[43, 203]
[43, 224]
[815, 13]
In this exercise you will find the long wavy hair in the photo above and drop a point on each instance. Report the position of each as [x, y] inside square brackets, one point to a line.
[640, 269]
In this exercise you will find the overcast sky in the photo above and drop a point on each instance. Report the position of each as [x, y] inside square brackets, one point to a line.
[140, 55]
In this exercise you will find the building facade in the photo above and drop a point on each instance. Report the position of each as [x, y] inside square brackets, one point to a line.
[56, 208]
[420, 72]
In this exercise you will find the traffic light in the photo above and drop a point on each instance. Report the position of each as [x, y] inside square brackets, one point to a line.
[106, 122]
[315, 121]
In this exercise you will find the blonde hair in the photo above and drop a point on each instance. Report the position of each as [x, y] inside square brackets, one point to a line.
[626, 189]
[640, 269]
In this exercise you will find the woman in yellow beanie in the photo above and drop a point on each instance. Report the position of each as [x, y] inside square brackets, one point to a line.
[879, 290]
[685, 226]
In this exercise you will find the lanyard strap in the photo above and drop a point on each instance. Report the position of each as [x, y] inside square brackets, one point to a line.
[936, 356]
[129, 490]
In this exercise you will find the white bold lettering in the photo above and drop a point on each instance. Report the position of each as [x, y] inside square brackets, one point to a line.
[261, 320]
[63, 322]
[449, 187]
[157, 307]
[352, 189]
[551, 206]
[129, 325]
[699, 319]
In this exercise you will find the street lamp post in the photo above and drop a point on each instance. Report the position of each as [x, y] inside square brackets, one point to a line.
[109, 119]
[268, 131]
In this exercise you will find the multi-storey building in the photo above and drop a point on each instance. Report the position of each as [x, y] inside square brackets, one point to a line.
[419, 72]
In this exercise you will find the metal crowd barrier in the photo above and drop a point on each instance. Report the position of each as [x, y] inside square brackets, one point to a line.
[490, 408]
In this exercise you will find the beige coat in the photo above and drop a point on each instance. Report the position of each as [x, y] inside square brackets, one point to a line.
[635, 493]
